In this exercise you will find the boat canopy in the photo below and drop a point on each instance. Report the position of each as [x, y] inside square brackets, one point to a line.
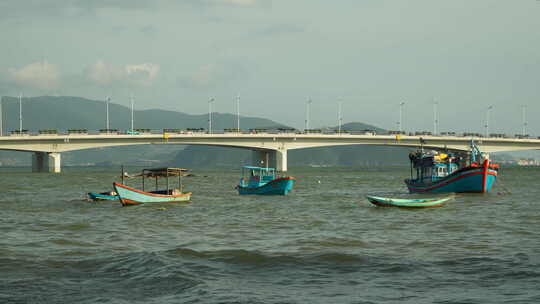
[164, 172]
[160, 172]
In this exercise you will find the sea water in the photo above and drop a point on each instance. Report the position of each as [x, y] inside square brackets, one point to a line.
[322, 243]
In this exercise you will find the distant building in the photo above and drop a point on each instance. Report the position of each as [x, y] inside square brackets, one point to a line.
[528, 162]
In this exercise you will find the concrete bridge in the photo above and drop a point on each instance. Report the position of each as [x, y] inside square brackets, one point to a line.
[268, 148]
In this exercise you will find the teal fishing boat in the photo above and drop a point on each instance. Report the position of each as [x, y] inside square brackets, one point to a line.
[459, 172]
[132, 196]
[257, 180]
[102, 196]
[408, 203]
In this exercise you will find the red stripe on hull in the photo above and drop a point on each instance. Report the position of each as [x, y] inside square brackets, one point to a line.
[128, 202]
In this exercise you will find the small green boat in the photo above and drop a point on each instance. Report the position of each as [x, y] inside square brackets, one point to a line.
[408, 203]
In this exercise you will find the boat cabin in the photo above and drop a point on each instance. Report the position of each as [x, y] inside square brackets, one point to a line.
[432, 166]
[169, 174]
[256, 176]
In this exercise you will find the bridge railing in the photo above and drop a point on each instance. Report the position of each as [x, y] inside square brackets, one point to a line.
[330, 132]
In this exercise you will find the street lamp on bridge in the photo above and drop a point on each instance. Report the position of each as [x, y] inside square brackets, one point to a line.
[107, 100]
[308, 103]
[401, 104]
[132, 104]
[238, 113]
[435, 118]
[210, 115]
[340, 118]
[523, 119]
[20, 113]
[487, 119]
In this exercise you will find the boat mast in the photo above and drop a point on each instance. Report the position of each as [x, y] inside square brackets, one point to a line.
[167, 182]
[180, 181]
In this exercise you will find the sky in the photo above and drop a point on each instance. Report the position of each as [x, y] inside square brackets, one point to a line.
[368, 55]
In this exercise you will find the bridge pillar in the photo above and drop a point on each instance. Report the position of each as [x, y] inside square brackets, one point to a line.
[270, 158]
[46, 162]
[281, 160]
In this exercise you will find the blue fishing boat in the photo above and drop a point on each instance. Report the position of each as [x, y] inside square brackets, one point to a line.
[257, 180]
[470, 172]
[102, 196]
[132, 196]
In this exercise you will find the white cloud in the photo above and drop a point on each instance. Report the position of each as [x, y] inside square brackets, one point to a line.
[133, 74]
[144, 73]
[103, 73]
[41, 75]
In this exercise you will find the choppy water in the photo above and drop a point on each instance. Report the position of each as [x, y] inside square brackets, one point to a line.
[324, 243]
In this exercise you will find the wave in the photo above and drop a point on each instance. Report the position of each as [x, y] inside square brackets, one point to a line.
[182, 274]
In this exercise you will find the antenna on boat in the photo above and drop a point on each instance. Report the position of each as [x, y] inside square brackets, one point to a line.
[122, 168]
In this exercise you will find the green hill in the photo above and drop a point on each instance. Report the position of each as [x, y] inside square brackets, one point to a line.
[63, 113]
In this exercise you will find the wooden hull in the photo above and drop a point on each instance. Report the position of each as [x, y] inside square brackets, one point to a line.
[278, 186]
[478, 179]
[132, 196]
[95, 196]
[408, 203]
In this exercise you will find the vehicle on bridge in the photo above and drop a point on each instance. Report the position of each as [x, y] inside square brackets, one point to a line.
[452, 172]
[257, 180]
[132, 196]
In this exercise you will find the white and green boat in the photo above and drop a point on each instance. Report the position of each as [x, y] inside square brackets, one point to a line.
[408, 203]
